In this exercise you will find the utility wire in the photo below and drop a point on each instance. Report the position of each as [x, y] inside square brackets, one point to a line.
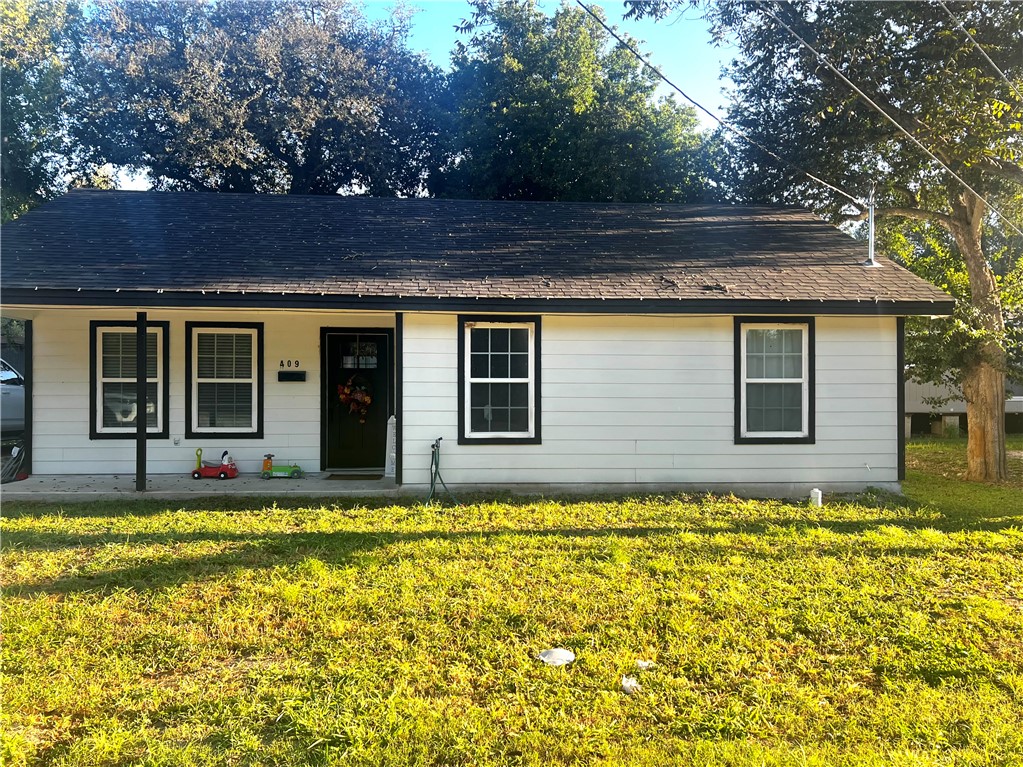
[982, 51]
[888, 117]
[713, 116]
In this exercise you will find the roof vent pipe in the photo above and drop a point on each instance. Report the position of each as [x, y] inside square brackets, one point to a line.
[871, 261]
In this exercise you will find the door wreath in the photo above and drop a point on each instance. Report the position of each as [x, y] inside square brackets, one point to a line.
[356, 394]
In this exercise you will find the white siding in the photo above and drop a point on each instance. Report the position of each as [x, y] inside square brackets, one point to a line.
[624, 401]
[650, 400]
[61, 393]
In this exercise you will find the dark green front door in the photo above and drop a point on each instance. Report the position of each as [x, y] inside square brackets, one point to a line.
[357, 397]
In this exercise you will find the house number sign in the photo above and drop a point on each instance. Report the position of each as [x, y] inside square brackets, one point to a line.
[290, 364]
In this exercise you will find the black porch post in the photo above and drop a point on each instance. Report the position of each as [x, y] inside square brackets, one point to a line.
[140, 400]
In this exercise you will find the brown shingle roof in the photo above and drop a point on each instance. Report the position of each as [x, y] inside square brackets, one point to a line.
[443, 249]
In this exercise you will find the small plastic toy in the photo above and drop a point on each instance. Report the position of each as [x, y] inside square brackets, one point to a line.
[269, 470]
[226, 469]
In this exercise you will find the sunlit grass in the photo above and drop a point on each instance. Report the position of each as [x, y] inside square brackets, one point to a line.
[881, 631]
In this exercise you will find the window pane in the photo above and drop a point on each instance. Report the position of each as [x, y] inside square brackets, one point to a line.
[773, 366]
[206, 352]
[499, 395]
[519, 395]
[519, 365]
[498, 365]
[755, 341]
[774, 407]
[519, 340]
[792, 341]
[499, 339]
[754, 365]
[479, 339]
[478, 419]
[793, 366]
[118, 355]
[499, 419]
[479, 366]
[772, 341]
[224, 355]
[119, 405]
[499, 407]
[225, 405]
[518, 419]
[117, 363]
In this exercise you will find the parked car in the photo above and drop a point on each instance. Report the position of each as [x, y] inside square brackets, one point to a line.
[12, 400]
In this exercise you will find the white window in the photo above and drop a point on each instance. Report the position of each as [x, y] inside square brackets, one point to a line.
[775, 380]
[115, 404]
[500, 380]
[224, 378]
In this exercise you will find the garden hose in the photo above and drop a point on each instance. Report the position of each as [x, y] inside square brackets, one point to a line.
[435, 472]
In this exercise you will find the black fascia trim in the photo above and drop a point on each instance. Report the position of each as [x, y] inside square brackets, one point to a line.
[900, 396]
[94, 325]
[199, 300]
[258, 433]
[811, 394]
[536, 439]
[399, 401]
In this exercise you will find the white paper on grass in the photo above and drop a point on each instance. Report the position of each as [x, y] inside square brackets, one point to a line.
[557, 656]
[645, 665]
[630, 685]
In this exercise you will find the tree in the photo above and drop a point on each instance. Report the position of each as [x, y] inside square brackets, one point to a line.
[926, 75]
[37, 35]
[942, 349]
[287, 96]
[548, 110]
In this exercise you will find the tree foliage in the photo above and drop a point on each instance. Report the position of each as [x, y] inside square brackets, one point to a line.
[296, 96]
[548, 109]
[928, 80]
[33, 48]
[942, 349]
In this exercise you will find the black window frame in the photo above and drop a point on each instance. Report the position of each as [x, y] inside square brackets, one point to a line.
[258, 368]
[463, 394]
[130, 326]
[811, 381]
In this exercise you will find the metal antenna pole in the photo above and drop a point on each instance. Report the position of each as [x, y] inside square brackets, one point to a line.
[871, 261]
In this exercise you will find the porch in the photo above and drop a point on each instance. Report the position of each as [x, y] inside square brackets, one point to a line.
[82, 487]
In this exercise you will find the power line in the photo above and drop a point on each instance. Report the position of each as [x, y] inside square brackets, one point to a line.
[888, 117]
[713, 116]
[982, 51]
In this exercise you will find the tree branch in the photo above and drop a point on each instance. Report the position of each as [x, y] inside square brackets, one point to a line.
[942, 219]
[1002, 169]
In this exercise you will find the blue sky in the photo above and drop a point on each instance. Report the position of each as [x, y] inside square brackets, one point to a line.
[679, 46]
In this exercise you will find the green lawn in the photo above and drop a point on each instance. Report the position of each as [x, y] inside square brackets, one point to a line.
[885, 631]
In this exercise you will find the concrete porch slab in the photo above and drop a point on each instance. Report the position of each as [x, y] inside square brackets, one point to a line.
[80, 487]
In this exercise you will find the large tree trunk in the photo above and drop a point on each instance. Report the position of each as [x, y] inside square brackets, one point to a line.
[984, 381]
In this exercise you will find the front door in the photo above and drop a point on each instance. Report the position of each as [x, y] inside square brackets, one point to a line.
[357, 397]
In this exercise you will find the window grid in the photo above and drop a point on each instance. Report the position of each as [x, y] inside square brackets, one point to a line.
[224, 380]
[500, 379]
[775, 376]
[116, 381]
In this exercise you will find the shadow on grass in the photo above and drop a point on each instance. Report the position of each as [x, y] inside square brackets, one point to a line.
[272, 550]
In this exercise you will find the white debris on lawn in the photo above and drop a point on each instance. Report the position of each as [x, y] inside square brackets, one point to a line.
[630, 685]
[557, 656]
[645, 665]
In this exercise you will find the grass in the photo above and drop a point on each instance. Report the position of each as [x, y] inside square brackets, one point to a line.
[877, 631]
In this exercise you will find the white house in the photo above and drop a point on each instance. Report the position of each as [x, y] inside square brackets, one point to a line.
[555, 344]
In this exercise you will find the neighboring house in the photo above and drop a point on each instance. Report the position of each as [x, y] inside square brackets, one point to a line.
[549, 344]
[933, 409]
